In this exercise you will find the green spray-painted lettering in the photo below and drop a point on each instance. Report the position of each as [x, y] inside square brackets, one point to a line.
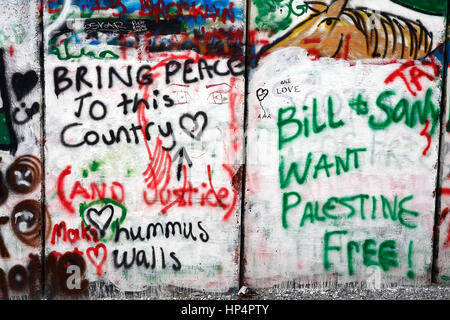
[322, 164]
[327, 248]
[275, 15]
[286, 120]
[344, 208]
[406, 111]
[385, 256]
[288, 206]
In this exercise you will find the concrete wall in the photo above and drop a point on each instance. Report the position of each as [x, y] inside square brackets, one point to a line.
[353, 145]
[141, 155]
[22, 218]
[442, 221]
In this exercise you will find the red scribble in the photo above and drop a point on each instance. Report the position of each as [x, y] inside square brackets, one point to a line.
[59, 254]
[208, 86]
[426, 135]
[234, 124]
[83, 7]
[161, 9]
[210, 197]
[11, 51]
[96, 192]
[61, 232]
[60, 189]
[113, 6]
[444, 214]
[41, 8]
[347, 46]
[313, 54]
[311, 40]
[158, 166]
[254, 41]
[440, 222]
[51, 11]
[113, 192]
[415, 74]
[79, 191]
[235, 192]
[95, 251]
[124, 49]
[179, 193]
[160, 161]
[212, 188]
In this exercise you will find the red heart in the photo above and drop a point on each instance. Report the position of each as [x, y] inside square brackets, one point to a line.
[94, 251]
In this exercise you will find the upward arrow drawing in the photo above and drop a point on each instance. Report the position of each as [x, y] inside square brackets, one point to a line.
[182, 153]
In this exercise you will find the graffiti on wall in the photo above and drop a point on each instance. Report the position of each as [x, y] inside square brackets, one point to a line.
[339, 31]
[23, 217]
[344, 109]
[125, 162]
[442, 273]
[145, 140]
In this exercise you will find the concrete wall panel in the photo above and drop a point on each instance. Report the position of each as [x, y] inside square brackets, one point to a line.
[344, 142]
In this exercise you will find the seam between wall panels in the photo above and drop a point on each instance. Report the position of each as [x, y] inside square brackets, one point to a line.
[441, 159]
[247, 52]
[42, 144]
[244, 166]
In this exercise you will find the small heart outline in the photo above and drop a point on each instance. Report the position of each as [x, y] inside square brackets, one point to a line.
[194, 120]
[261, 94]
[99, 213]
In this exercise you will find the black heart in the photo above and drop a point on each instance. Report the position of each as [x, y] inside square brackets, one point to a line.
[261, 94]
[97, 223]
[194, 132]
[33, 110]
[22, 84]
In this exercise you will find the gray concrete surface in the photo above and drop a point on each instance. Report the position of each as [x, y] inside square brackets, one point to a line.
[428, 293]
[434, 292]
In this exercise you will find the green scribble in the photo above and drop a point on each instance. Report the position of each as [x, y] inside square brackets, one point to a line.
[94, 166]
[104, 55]
[19, 33]
[273, 15]
[3, 39]
[5, 137]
